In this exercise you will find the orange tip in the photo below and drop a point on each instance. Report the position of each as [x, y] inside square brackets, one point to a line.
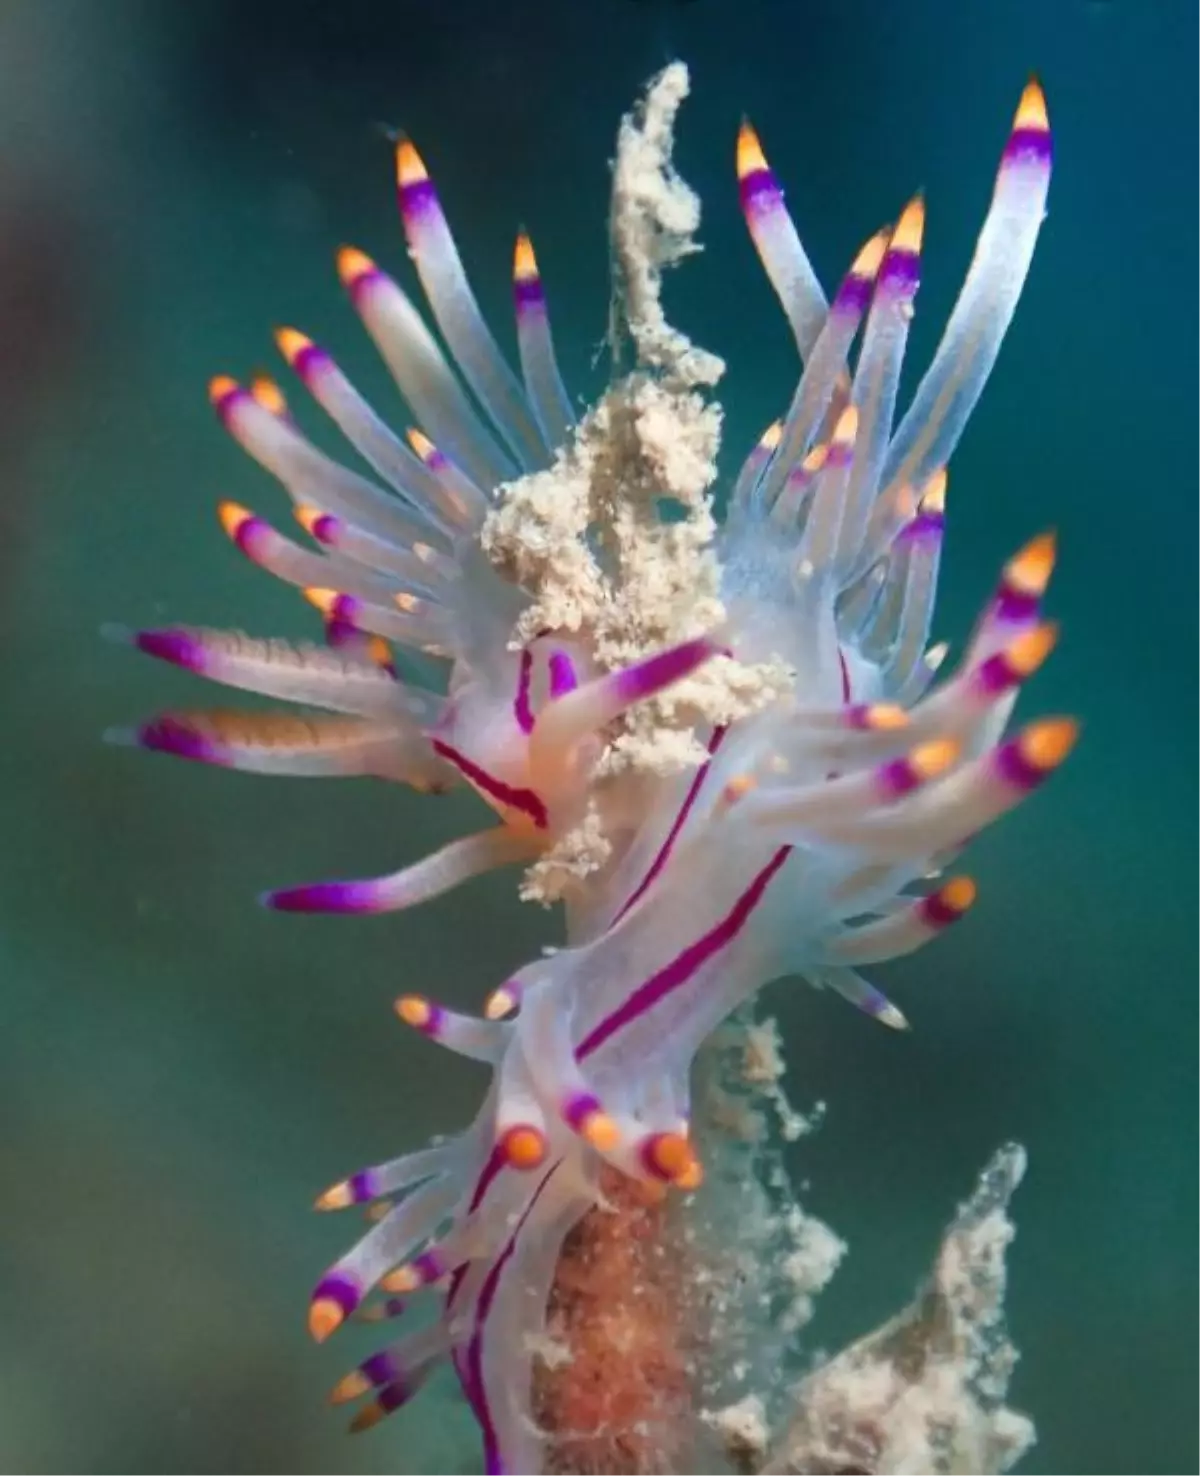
[325, 1316]
[498, 1004]
[815, 459]
[846, 428]
[292, 343]
[220, 386]
[268, 394]
[750, 157]
[401, 1281]
[910, 227]
[690, 1177]
[885, 717]
[410, 167]
[1031, 648]
[668, 1155]
[335, 1198]
[1045, 744]
[420, 443]
[323, 599]
[379, 651]
[598, 1129]
[1029, 571]
[353, 265]
[525, 267]
[352, 1386]
[1031, 110]
[866, 263]
[367, 1417]
[933, 495]
[934, 758]
[233, 517]
[414, 1010]
[524, 1146]
[772, 436]
[306, 515]
[958, 894]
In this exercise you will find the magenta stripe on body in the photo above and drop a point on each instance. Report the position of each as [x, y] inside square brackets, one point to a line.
[521, 708]
[685, 964]
[664, 852]
[525, 800]
[493, 1460]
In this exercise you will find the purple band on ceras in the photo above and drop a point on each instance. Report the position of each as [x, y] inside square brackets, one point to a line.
[1015, 606]
[900, 273]
[995, 675]
[175, 646]
[929, 526]
[760, 193]
[340, 1288]
[663, 669]
[362, 1187]
[935, 912]
[853, 297]
[334, 896]
[897, 778]
[311, 361]
[418, 201]
[563, 677]
[381, 1368]
[358, 286]
[168, 735]
[325, 528]
[1014, 768]
[251, 531]
[578, 1108]
[1028, 146]
[225, 404]
[529, 296]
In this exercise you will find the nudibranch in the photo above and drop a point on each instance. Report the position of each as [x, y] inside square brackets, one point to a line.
[724, 745]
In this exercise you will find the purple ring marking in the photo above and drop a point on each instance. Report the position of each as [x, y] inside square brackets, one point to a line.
[1014, 768]
[341, 1288]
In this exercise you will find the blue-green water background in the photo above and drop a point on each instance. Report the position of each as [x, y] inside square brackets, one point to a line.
[180, 1072]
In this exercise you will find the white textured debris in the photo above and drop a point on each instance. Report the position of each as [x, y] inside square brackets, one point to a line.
[614, 543]
[925, 1392]
[742, 1431]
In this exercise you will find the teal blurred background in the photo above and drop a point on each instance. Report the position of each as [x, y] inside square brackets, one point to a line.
[180, 1072]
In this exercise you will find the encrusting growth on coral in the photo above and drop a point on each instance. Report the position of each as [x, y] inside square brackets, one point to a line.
[925, 1392]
